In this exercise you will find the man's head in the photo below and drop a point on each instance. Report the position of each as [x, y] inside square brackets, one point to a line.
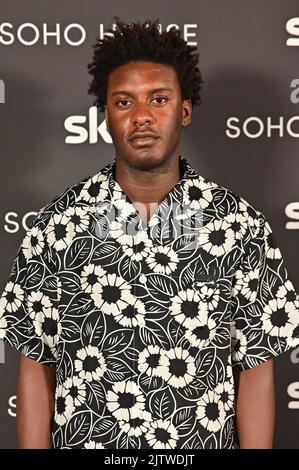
[146, 82]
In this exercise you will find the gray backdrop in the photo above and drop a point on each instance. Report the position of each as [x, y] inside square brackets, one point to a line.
[249, 61]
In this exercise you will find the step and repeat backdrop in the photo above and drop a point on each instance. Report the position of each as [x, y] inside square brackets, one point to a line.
[243, 136]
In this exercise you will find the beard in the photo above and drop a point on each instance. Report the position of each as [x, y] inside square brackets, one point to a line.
[150, 160]
[147, 162]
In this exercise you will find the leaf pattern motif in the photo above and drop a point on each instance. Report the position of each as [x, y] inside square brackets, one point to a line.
[144, 329]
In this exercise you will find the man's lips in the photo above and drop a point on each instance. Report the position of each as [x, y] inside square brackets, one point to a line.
[139, 139]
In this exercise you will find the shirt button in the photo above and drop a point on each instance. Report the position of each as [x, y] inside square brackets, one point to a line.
[142, 279]
[141, 367]
[142, 323]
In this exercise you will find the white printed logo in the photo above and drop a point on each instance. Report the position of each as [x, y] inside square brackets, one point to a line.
[254, 127]
[292, 212]
[12, 405]
[74, 34]
[80, 134]
[30, 34]
[292, 27]
[293, 392]
[13, 226]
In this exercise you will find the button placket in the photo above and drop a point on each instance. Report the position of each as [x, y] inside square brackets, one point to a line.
[134, 330]
[142, 280]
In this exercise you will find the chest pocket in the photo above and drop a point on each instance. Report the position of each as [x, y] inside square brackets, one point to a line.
[193, 307]
[195, 298]
[205, 286]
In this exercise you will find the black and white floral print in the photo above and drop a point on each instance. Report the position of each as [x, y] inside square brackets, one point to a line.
[60, 232]
[210, 411]
[125, 401]
[161, 259]
[90, 363]
[162, 434]
[13, 297]
[3, 322]
[48, 326]
[76, 388]
[202, 335]
[144, 327]
[64, 405]
[78, 218]
[33, 243]
[137, 246]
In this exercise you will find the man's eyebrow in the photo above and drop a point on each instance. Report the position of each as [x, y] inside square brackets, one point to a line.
[127, 93]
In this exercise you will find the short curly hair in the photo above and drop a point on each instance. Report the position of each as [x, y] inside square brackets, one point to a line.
[144, 41]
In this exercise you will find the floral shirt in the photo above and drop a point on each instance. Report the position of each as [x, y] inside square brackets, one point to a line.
[146, 322]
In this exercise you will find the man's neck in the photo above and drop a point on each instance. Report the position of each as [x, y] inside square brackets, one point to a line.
[146, 189]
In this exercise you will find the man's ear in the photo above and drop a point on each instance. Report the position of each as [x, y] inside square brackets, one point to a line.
[187, 112]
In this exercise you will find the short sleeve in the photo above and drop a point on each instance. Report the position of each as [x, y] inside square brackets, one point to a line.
[29, 303]
[264, 305]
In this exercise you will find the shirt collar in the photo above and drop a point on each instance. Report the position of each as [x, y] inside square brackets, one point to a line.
[120, 199]
[186, 172]
[104, 187]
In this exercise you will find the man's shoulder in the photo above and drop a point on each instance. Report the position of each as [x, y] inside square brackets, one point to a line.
[227, 203]
[81, 194]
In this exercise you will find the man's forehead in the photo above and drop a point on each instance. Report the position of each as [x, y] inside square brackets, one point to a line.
[150, 76]
[136, 69]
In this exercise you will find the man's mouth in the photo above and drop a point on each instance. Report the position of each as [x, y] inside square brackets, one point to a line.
[140, 139]
[143, 141]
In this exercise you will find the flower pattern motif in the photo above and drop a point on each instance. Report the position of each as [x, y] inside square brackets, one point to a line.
[144, 323]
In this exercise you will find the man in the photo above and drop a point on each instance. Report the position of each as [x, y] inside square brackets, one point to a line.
[148, 301]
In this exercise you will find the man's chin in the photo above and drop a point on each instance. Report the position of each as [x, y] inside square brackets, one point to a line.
[145, 162]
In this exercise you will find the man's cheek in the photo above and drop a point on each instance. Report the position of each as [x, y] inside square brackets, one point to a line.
[113, 131]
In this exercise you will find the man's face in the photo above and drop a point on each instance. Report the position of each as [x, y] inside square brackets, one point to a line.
[144, 97]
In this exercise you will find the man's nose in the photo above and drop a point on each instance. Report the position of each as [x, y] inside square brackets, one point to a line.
[142, 115]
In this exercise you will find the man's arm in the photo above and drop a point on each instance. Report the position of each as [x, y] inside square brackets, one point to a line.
[255, 407]
[35, 404]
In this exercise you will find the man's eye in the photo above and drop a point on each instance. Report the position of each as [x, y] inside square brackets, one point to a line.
[160, 99]
[123, 103]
